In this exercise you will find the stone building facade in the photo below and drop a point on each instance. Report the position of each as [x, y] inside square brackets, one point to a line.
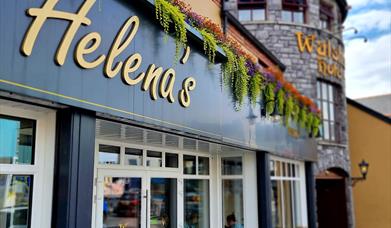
[309, 68]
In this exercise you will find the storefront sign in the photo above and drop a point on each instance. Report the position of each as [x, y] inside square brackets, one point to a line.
[329, 56]
[112, 67]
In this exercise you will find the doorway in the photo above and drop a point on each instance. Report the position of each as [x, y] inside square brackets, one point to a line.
[331, 200]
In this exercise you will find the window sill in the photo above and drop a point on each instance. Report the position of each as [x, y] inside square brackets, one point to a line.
[331, 143]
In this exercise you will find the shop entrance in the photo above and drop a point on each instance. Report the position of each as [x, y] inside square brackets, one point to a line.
[136, 199]
[331, 199]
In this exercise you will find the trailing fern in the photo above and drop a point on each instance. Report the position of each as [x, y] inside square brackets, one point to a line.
[315, 126]
[295, 112]
[230, 66]
[310, 118]
[210, 44]
[280, 101]
[289, 106]
[255, 88]
[303, 117]
[269, 98]
[240, 82]
[167, 13]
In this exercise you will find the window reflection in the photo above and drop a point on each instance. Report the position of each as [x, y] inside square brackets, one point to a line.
[16, 140]
[122, 202]
[134, 156]
[154, 158]
[109, 154]
[196, 203]
[189, 164]
[163, 208]
[231, 165]
[15, 200]
[233, 203]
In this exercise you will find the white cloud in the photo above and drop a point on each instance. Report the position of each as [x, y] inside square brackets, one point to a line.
[368, 67]
[359, 3]
[373, 19]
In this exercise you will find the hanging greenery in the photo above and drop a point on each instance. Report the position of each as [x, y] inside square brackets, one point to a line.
[310, 118]
[302, 117]
[255, 87]
[240, 82]
[289, 106]
[280, 101]
[269, 98]
[210, 44]
[240, 72]
[230, 66]
[167, 13]
[315, 126]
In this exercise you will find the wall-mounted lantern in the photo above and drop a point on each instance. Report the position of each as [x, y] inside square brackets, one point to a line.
[363, 165]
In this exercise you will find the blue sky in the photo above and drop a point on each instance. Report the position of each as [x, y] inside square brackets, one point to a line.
[368, 65]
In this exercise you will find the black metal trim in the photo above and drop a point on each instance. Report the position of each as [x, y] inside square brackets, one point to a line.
[311, 196]
[369, 110]
[264, 190]
[231, 19]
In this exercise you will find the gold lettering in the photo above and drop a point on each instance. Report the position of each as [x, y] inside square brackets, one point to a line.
[306, 43]
[322, 48]
[131, 65]
[322, 66]
[150, 80]
[117, 47]
[188, 85]
[166, 91]
[47, 11]
[82, 49]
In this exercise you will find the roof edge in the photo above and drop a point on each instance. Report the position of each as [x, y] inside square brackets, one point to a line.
[369, 110]
[254, 40]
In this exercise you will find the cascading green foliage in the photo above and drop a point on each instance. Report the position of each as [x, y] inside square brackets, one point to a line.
[315, 126]
[310, 118]
[269, 98]
[302, 117]
[280, 101]
[230, 66]
[295, 112]
[210, 44]
[167, 13]
[240, 81]
[255, 87]
[289, 106]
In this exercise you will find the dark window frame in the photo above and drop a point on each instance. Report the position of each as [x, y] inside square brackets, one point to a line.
[295, 6]
[329, 103]
[252, 5]
[326, 15]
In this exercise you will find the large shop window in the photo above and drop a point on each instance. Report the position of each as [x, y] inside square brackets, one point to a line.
[326, 102]
[294, 10]
[232, 189]
[25, 172]
[326, 16]
[288, 194]
[252, 10]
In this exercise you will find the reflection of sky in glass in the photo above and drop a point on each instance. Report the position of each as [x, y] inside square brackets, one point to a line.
[108, 158]
[8, 136]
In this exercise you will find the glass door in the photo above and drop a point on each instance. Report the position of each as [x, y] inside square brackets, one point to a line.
[136, 199]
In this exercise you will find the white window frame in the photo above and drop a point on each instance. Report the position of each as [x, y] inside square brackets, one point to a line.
[301, 179]
[43, 167]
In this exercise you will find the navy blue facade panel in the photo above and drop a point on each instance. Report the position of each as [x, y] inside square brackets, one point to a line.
[211, 113]
[264, 190]
[311, 195]
[74, 169]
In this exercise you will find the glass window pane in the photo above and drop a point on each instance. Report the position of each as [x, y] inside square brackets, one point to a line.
[163, 206]
[203, 165]
[283, 168]
[276, 204]
[324, 91]
[244, 15]
[196, 203]
[288, 207]
[298, 17]
[154, 158]
[231, 166]
[318, 90]
[332, 131]
[109, 154]
[133, 156]
[233, 203]
[272, 168]
[189, 164]
[172, 160]
[297, 203]
[325, 110]
[326, 133]
[331, 93]
[286, 15]
[121, 202]
[278, 168]
[331, 111]
[259, 14]
[15, 198]
[16, 140]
